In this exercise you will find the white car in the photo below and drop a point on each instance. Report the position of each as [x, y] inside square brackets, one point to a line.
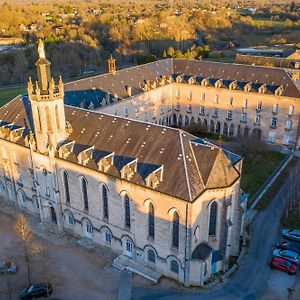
[291, 234]
[288, 255]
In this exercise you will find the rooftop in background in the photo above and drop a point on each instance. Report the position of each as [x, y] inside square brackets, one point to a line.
[114, 87]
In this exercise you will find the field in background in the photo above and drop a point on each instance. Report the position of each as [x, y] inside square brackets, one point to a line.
[8, 94]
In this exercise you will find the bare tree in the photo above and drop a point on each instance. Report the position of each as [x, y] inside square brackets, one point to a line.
[31, 249]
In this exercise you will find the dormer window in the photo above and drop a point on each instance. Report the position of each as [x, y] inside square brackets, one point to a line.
[248, 87]
[279, 91]
[262, 89]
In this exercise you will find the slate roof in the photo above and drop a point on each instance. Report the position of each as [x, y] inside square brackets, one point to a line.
[276, 62]
[95, 89]
[202, 251]
[189, 167]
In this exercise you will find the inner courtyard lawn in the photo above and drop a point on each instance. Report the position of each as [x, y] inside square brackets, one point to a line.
[255, 174]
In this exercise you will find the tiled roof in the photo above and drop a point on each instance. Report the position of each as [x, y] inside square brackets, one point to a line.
[188, 167]
[114, 87]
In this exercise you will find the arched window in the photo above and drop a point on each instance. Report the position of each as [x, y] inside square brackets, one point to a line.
[105, 201]
[174, 266]
[39, 124]
[175, 232]
[213, 218]
[84, 194]
[66, 186]
[70, 218]
[151, 221]
[57, 117]
[48, 119]
[107, 237]
[127, 211]
[151, 256]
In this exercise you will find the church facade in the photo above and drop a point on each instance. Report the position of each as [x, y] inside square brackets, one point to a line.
[155, 194]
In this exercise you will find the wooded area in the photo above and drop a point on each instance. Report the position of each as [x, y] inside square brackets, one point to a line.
[81, 35]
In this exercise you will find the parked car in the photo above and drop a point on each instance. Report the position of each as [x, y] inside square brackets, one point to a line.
[289, 246]
[8, 267]
[283, 265]
[291, 234]
[287, 254]
[36, 290]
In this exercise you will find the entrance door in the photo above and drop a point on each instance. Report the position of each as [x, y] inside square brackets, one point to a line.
[129, 248]
[53, 215]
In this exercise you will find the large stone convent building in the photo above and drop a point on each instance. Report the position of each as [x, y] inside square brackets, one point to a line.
[152, 193]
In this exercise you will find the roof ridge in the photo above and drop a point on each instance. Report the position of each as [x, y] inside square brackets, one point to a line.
[196, 163]
[185, 167]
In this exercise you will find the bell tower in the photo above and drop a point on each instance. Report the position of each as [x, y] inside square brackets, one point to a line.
[111, 64]
[47, 105]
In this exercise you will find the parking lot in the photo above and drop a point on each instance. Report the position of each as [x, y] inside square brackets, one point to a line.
[74, 272]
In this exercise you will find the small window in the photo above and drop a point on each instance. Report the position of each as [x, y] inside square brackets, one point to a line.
[275, 108]
[230, 101]
[213, 218]
[89, 228]
[229, 114]
[105, 201]
[108, 237]
[151, 256]
[202, 110]
[177, 106]
[216, 112]
[71, 219]
[245, 103]
[174, 266]
[175, 230]
[289, 124]
[177, 93]
[23, 197]
[244, 117]
[189, 109]
[126, 112]
[190, 95]
[274, 122]
[257, 119]
[47, 191]
[291, 110]
[203, 97]
[216, 101]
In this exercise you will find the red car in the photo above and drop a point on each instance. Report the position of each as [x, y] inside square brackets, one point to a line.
[284, 265]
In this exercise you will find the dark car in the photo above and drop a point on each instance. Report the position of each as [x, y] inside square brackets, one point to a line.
[36, 290]
[283, 265]
[289, 246]
[8, 267]
[291, 234]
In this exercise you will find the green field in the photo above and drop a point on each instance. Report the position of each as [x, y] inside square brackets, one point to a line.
[265, 22]
[255, 174]
[8, 94]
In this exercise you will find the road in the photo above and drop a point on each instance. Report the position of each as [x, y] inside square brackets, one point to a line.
[254, 279]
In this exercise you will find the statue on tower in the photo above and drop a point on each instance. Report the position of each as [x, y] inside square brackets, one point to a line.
[41, 49]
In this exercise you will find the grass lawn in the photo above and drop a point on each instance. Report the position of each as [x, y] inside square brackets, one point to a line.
[8, 94]
[255, 174]
[266, 22]
[265, 200]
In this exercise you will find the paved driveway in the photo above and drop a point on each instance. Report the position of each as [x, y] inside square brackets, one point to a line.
[75, 273]
[254, 279]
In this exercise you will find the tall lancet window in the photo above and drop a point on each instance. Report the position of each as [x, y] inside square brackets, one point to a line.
[48, 119]
[57, 117]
